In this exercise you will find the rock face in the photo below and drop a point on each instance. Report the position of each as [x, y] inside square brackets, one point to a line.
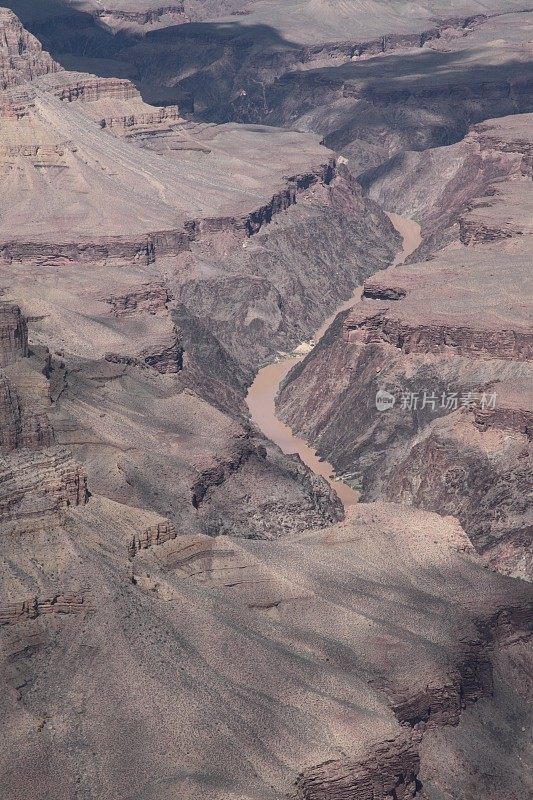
[37, 479]
[38, 484]
[21, 54]
[172, 583]
[389, 771]
[35, 606]
[450, 339]
[13, 334]
[320, 632]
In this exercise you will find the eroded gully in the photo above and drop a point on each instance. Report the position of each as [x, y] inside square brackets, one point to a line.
[262, 394]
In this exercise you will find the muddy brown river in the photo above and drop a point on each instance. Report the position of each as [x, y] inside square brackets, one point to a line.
[262, 394]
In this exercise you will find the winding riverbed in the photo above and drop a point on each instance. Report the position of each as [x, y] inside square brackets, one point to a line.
[262, 394]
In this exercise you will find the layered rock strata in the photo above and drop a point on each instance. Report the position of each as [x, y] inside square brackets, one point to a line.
[324, 609]
[38, 480]
[157, 615]
[22, 57]
[449, 340]
[13, 334]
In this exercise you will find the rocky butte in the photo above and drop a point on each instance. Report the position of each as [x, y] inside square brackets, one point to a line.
[189, 190]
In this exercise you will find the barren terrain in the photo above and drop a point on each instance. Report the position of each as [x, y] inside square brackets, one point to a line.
[196, 197]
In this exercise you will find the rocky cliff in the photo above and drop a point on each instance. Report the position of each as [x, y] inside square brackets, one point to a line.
[13, 334]
[321, 610]
[118, 282]
[21, 54]
[172, 583]
[38, 480]
[449, 340]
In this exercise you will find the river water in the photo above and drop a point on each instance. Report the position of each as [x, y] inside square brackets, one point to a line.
[261, 396]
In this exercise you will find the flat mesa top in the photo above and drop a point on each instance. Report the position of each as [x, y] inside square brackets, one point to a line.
[476, 290]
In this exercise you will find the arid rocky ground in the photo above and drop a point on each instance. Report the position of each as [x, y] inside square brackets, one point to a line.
[456, 326]
[188, 189]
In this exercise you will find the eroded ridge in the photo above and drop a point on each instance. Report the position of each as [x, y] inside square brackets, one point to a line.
[187, 612]
[449, 340]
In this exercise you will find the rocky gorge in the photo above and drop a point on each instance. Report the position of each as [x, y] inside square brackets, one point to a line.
[186, 609]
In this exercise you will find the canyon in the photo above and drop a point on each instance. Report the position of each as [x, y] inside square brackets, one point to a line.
[455, 326]
[262, 394]
[229, 230]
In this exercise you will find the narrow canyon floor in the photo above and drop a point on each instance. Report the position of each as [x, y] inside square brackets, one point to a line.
[262, 394]
[265, 400]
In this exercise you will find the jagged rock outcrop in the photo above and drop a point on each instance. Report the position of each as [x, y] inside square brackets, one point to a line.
[23, 422]
[150, 297]
[152, 536]
[13, 334]
[34, 485]
[37, 479]
[20, 427]
[21, 54]
[23, 393]
[60, 603]
[389, 770]
[15, 104]
[9, 416]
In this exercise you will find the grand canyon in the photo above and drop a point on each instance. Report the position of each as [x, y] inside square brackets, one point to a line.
[266, 399]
